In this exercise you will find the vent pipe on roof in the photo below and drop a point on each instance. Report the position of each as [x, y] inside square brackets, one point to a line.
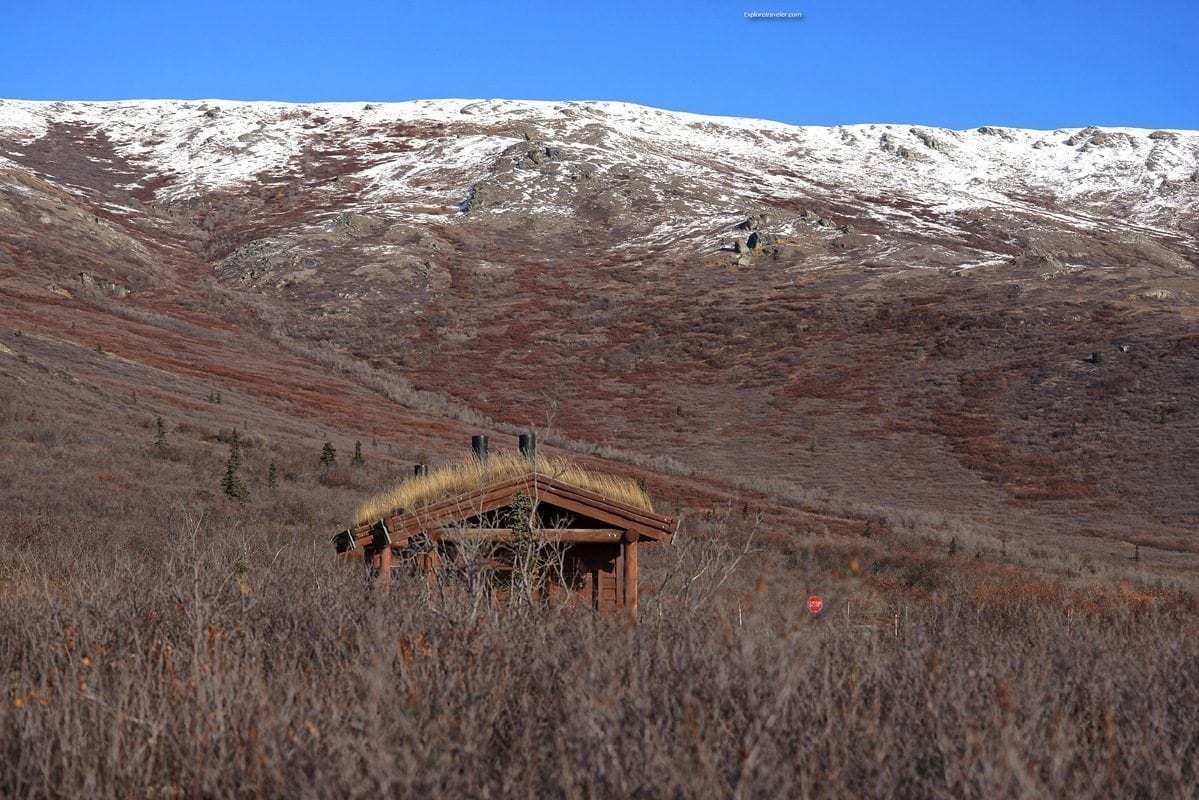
[479, 445]
[527, 442]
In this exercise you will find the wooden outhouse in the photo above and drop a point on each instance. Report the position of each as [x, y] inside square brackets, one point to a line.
[592, 527]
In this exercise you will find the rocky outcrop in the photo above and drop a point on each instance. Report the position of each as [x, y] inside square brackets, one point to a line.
[1082, 137]
[528, 154]
[929, 141]
[889, 144]
[987, 130]
[351, 225]
[1092, 137]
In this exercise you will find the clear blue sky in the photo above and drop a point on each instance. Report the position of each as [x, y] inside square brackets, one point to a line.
[1034, 63]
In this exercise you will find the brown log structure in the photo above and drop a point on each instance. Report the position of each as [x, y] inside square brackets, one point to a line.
[600, 548]
[631, 574]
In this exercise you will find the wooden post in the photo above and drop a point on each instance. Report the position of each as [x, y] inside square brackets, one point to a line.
[381, 543]
[631, 570]
[432, 563]
[385, 567]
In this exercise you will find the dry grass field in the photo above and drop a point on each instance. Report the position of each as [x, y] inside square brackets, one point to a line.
[217, 667]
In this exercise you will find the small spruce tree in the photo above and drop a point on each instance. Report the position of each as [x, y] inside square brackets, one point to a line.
[328, 455]
[272, 475]
[358, 460]
[231, 484]
[160, 436]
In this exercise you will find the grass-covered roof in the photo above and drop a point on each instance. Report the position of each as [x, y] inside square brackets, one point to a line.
[461, 477]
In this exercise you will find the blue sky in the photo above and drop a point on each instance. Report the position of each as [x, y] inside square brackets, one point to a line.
[1046, 64]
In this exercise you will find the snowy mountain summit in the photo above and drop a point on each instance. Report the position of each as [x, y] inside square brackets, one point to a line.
[620, 175]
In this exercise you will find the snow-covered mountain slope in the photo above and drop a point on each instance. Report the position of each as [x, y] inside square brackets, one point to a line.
[688, 171]
[973, 319]
[273, 191]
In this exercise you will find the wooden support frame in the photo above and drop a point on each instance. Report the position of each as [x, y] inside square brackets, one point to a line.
[632, 573]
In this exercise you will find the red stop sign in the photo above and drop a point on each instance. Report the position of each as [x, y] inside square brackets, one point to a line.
[815, 604]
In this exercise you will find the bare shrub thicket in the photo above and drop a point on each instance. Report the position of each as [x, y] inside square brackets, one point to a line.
[160, 640]
[217, 664]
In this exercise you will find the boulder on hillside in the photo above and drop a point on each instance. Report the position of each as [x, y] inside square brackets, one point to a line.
[527, 154]
[754, 221]
[475, 200]
[758, 239]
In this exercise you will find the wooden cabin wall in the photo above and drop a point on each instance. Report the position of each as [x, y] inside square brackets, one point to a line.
[603, 565]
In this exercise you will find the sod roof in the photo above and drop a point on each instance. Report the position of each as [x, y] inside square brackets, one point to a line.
[471, 474]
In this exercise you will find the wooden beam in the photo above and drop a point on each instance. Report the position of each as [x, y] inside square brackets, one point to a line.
[588, 509]
[344, 542]
[567, 535]
[381, 536]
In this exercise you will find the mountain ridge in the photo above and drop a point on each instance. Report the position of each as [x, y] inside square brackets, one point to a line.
[264, 136]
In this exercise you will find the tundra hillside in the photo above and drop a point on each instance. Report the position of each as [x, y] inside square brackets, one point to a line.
[943, 379]
[995, 324]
